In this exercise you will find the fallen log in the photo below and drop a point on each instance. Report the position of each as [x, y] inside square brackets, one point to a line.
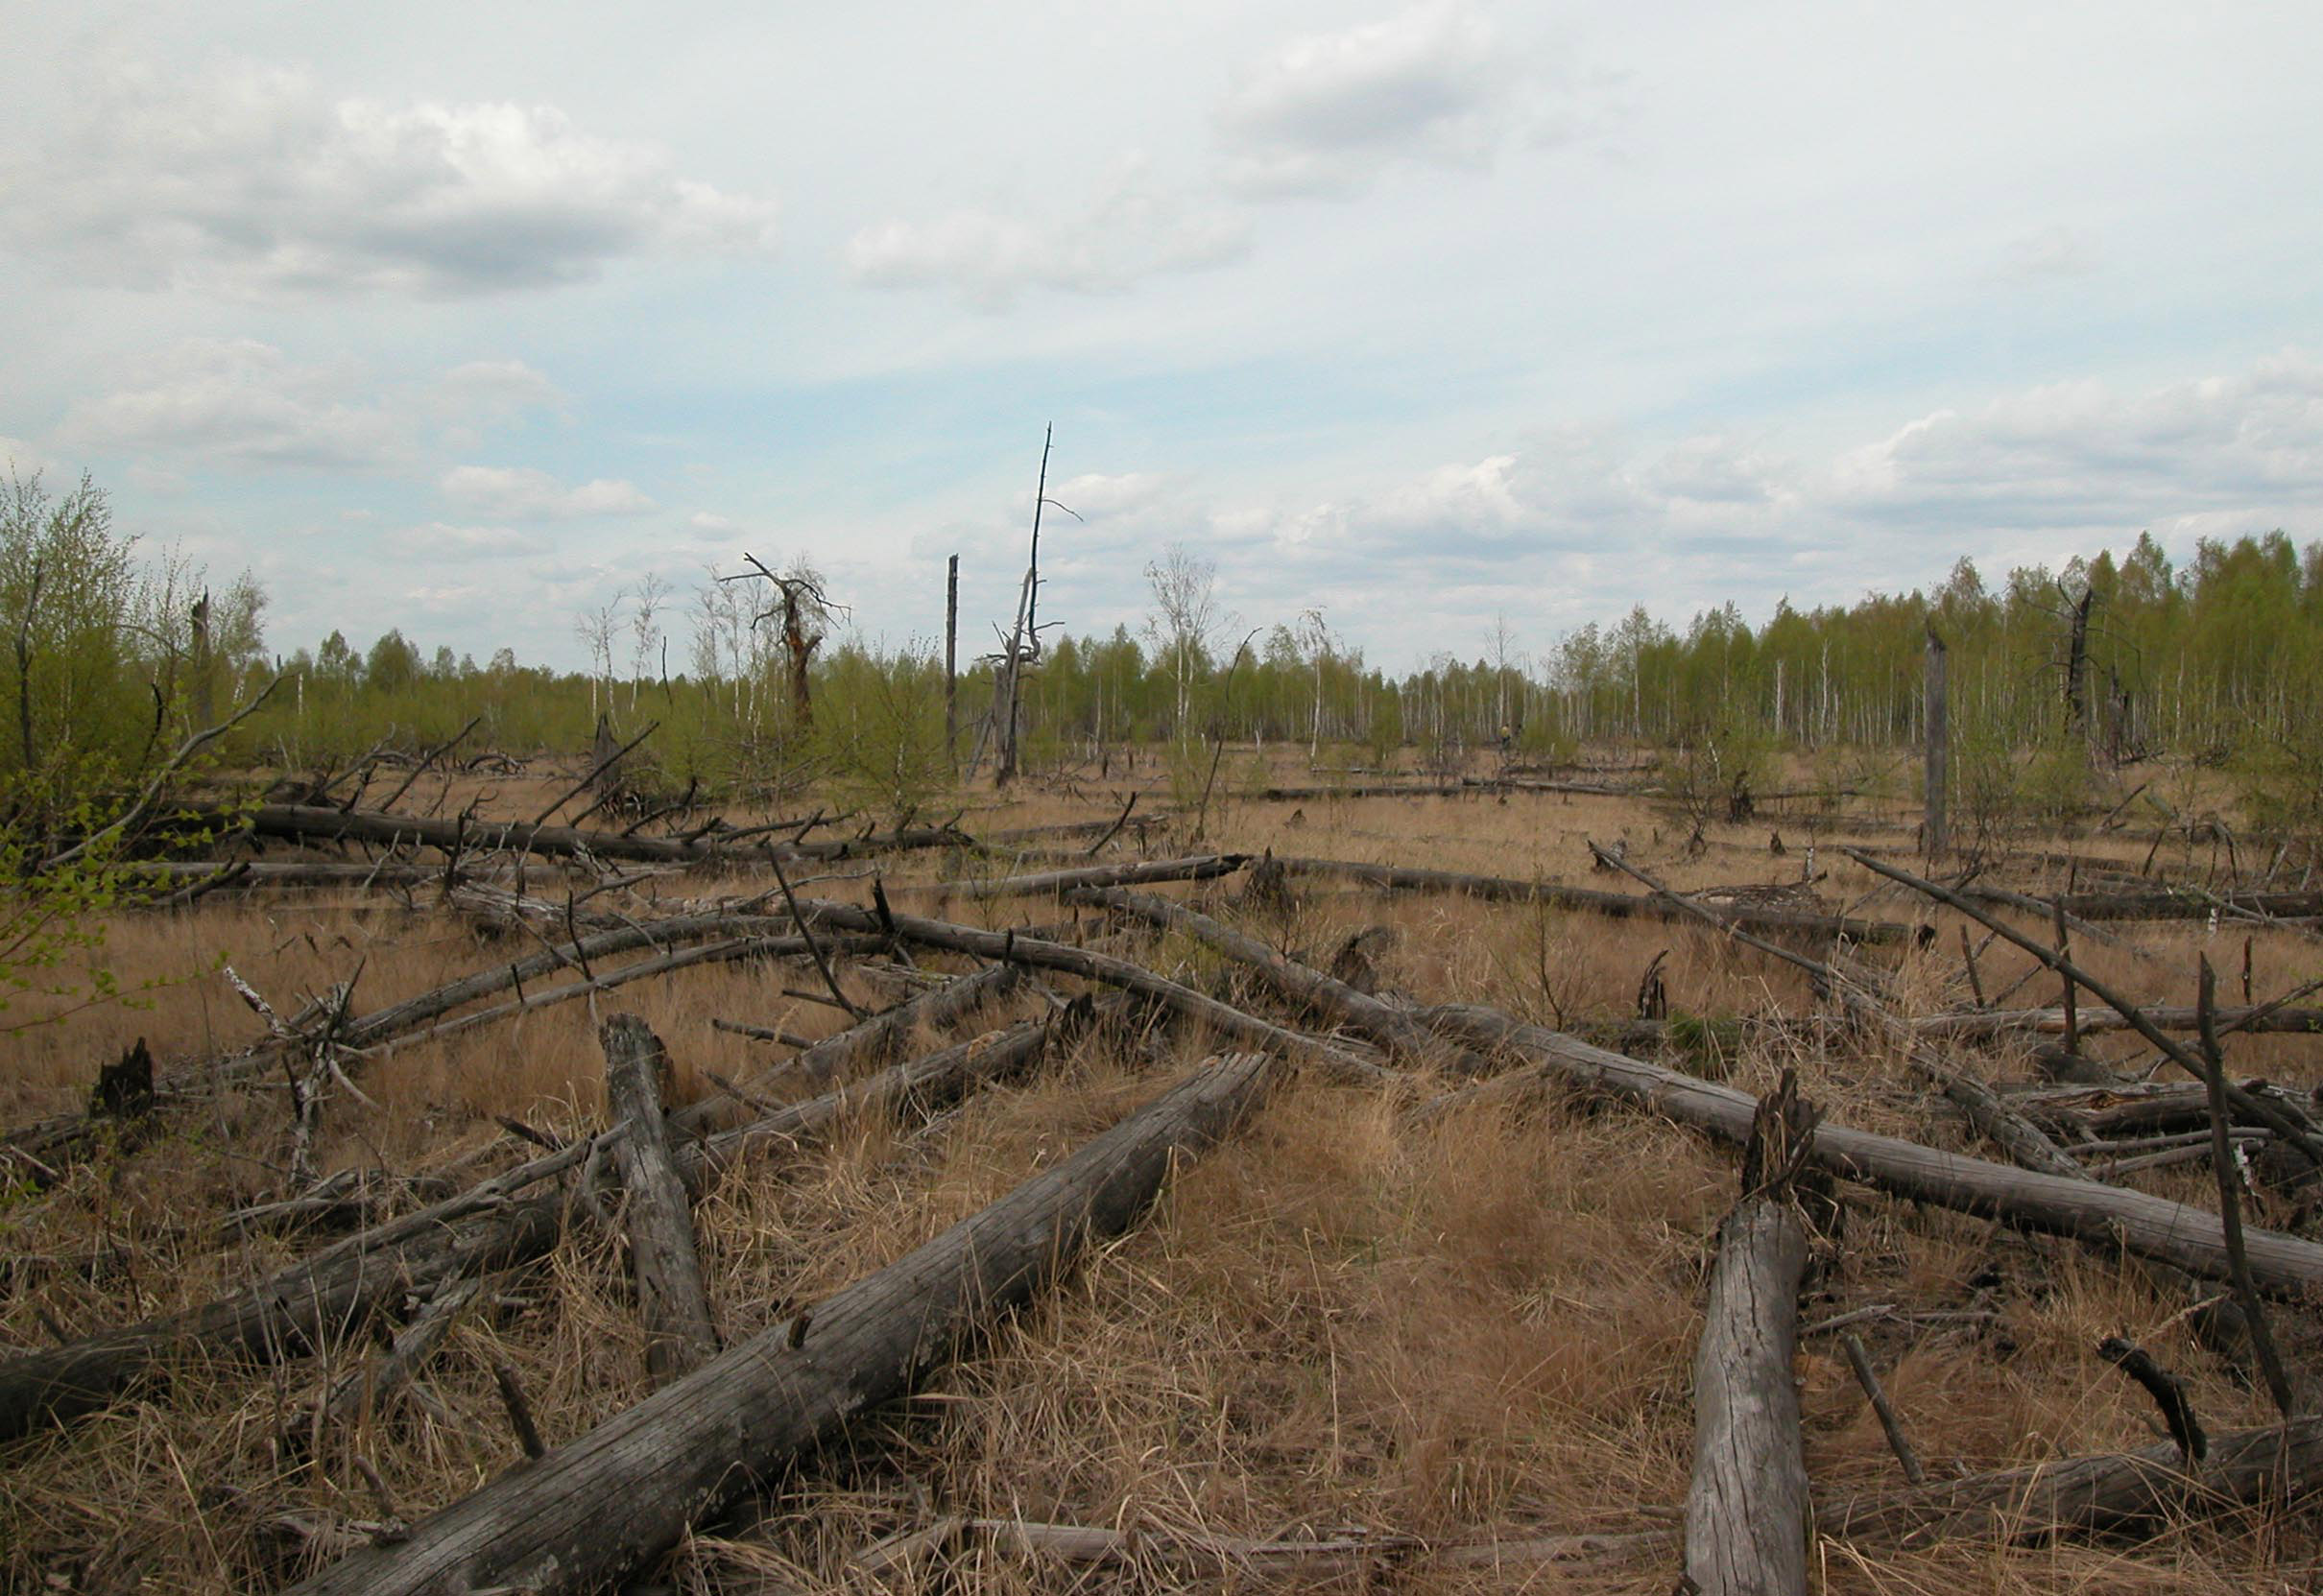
[880, 1036]
[1619, 905]
[1391, 1027]
[2252, 1018]
[1746, 1511]
[661, 1257]
[2109, 1493]
[303, 823]
[1008, 947]
[486, 1228]
[2104, 1216]
[2140, 1106]
[686, 1452]
[1204, 867]
[2178, 903]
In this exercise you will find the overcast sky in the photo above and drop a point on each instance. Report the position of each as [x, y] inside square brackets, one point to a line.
[460, 317]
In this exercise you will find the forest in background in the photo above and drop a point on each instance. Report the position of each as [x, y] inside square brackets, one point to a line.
[108, 661]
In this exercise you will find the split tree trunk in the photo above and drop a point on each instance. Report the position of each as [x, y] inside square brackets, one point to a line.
[603, 1505]
[1746, 1513]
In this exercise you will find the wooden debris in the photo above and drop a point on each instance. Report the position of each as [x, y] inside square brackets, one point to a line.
[1746, 1513]
[670, 1297]
[683, 1453]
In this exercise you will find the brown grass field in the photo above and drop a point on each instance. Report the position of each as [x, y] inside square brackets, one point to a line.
[1345, 1317]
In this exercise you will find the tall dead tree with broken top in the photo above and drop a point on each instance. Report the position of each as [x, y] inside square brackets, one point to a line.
[1933, 837]
[804, 610]
[1020, 648]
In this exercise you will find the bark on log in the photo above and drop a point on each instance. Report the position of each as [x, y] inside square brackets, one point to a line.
[671, 1299]
[685, 1452]
[486, 1228]
[2105, 1216]
[1746, 1511]
[1503, 889]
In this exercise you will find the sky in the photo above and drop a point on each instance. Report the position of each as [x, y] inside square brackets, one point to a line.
[466, 319]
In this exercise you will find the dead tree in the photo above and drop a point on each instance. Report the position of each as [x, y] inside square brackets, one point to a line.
[661, 1253]
[804, 610]
[1020, 647]
[1746, 1515]
[692, 1447]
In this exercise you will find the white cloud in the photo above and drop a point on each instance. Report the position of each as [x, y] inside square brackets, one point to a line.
[22, 457]
[520, 493]
[1329, 112]
[1094, 496]
[246, 403]
[1134, 228]
[440, 541]
[706, 520]
[2051, 252]
[253, 182]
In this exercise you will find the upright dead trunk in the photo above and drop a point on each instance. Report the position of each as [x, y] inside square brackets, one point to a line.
[1746, 1515]
[1935, 834]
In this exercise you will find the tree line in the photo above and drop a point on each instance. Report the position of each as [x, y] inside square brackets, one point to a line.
[105, 660]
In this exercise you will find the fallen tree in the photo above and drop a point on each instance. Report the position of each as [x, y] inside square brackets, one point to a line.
[1619, 905]
[489, 1226]
[463, 833]
[740, 1420]
[2105, 1216]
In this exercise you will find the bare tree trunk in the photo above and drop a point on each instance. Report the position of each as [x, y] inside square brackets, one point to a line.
[1746, 1513]
[600, 1506]
[952, 666]
[670, 1297]
[1936, 835]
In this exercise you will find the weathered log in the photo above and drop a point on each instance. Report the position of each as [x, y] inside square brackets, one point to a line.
[2175, 904]
[301, 822]
[1201, 866]
[880, 1035]
[1391, 1027]
[686, 1452]
[1227, 1021]
[663, 1259]
[2253, 1018]
[1746, 1511]
[299, 1307]
[2134, 1107]
[371, 1386]
[2293, 1127]
[2109, 1493]
[484, 1227]
[2105, 1216]
[1618, 905]
[1991, 1113]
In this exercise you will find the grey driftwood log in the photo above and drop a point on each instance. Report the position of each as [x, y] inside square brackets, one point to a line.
[1746, 1511]
[660, 1221]
[741, 1420]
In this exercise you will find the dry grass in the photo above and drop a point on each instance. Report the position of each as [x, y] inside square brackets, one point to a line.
[1481, 1324]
